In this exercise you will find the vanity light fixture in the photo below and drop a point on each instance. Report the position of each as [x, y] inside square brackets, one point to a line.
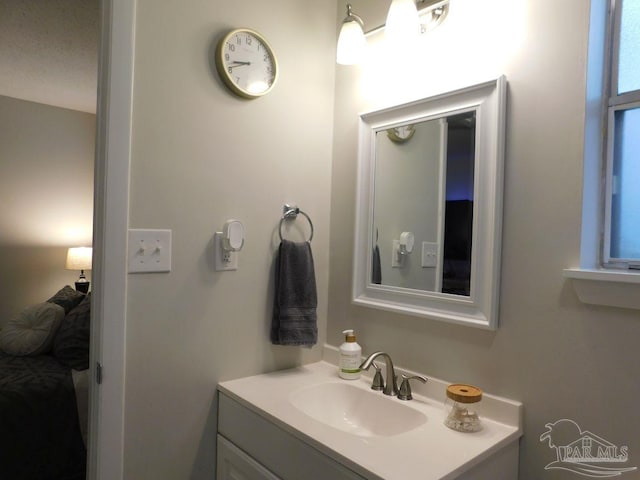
[351, 42]
[406, 18]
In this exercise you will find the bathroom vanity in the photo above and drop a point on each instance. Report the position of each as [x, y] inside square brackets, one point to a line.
[307, 423]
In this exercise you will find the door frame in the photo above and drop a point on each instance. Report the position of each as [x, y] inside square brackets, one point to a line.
[111, 221]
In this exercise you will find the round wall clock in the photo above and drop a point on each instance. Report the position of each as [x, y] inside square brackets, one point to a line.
[401, 134]
[246, 63]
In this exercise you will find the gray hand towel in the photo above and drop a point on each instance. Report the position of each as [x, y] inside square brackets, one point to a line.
[294, 307]
[376, 268]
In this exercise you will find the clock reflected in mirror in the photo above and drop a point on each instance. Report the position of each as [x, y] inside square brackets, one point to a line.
[246, 63]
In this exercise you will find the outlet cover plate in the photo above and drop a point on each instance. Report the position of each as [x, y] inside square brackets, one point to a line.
[395, 256]
[224, 260]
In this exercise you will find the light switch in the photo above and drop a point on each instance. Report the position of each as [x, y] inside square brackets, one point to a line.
[429, 254]
[149, 250]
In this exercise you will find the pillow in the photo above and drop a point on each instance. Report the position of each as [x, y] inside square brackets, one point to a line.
[67, 298]
[71, 343]
[32, 331]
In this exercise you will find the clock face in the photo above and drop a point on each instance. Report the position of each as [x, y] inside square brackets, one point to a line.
[246, 63]
[402, 133]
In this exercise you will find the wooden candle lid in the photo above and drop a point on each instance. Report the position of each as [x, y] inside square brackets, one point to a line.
[460, 392]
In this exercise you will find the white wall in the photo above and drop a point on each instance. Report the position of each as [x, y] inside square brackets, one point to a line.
[199, 157]
[46, 198]
[561, 358]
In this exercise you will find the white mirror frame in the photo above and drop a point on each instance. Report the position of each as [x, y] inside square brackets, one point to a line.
[480, 309]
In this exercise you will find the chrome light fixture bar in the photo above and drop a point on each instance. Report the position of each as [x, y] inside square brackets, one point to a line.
[432, 13]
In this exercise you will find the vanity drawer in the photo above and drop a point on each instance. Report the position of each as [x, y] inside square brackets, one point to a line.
[272, 447]
[234, 464]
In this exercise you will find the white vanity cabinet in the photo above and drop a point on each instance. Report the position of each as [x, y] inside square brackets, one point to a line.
[253, 448]
[301, 424]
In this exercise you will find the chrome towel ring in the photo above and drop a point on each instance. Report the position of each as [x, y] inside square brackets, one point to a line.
[291, 212]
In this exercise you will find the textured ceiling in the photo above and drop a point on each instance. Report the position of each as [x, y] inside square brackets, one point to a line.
[49, 52]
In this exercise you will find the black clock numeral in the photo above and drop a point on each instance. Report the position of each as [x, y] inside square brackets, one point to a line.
[232, 47]
[249, 40]
[238, 40]
[226, 56]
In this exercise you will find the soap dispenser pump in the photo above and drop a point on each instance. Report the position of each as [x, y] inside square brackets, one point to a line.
[350, 357]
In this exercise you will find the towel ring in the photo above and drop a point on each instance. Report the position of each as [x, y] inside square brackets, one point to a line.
[292, 212]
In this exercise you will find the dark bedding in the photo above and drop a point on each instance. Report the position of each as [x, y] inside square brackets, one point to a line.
[40, 435]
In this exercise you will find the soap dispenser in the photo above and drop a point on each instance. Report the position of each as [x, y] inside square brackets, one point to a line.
[350, 357]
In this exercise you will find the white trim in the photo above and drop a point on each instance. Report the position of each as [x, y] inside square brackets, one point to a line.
[608, 187]
[606, 287]
[442, 186]
[601, 275]
[613, 39]
[111, 211]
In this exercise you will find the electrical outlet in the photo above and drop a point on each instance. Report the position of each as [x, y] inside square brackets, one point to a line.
[396, 261]
[149, 250]
[225, 259]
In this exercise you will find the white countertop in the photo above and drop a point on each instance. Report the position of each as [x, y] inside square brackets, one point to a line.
[431, 450]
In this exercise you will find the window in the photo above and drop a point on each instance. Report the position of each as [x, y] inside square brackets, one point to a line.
[621, 245]
[609, 271]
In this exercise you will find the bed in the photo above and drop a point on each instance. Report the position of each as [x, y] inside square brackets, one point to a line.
[44, 359]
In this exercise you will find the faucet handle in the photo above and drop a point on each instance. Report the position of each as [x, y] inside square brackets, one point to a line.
[404, 393]
[378, 382]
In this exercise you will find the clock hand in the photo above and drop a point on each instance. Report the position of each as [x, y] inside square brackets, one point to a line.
[238, 64]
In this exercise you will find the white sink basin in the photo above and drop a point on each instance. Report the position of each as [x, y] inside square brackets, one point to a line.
[378, 436]
[366, 413]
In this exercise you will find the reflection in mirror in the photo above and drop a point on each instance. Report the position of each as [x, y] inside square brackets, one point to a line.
[423, 184]
[429, 206]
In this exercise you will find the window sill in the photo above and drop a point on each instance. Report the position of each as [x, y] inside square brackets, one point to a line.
[606, 287]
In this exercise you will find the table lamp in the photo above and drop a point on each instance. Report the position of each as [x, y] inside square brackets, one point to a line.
[79, 258]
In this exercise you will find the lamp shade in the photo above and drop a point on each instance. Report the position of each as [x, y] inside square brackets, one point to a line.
[351, 42]
[403, 22]
[79, 258]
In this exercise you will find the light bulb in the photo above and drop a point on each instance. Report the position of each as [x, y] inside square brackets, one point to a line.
[403, 23]
[351, 42]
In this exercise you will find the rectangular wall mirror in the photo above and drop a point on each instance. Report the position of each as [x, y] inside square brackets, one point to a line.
[428, 222]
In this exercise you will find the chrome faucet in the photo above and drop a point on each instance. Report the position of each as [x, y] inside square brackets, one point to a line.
[391, 384]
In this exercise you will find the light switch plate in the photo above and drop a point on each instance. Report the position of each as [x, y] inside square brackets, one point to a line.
[429, 254]
[149, 250]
